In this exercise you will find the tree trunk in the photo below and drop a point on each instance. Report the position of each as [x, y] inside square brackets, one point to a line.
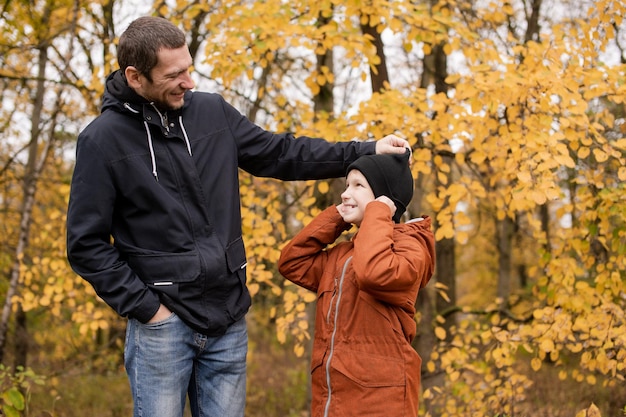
[378, 74]
[532, 30]
[504, 241]
[324, 100]
[430, 304]
[21, 338]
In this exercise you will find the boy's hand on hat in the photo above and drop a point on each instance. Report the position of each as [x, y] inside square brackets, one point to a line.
[389, 202]
[393, 144]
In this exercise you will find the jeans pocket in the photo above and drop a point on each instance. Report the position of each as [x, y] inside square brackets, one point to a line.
[161, 322]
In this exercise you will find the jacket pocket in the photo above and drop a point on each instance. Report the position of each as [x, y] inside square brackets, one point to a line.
[317, 356]
[369, 385]
[163, 268]
[236, 255]
[236, 294]
[370, 371]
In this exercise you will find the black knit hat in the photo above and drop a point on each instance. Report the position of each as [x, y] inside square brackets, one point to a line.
[388, 175]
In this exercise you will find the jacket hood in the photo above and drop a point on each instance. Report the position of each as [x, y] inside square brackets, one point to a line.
[117, 92]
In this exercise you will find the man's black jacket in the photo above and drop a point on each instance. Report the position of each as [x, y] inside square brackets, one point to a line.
[154, 210]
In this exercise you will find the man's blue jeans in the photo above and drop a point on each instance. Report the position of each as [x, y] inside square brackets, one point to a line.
[166, 361]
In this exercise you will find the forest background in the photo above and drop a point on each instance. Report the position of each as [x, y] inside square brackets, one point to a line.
[514, 110]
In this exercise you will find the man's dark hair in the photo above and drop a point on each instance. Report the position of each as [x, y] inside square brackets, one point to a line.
[142, 40]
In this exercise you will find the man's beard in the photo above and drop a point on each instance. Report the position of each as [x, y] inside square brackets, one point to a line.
[165, 106]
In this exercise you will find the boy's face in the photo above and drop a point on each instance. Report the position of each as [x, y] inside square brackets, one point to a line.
[356, 196]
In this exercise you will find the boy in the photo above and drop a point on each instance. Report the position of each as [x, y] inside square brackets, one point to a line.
[362, 361]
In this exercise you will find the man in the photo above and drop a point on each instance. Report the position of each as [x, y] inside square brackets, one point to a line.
[158, 172]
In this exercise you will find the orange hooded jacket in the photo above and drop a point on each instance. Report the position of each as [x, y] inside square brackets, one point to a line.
[362, 362]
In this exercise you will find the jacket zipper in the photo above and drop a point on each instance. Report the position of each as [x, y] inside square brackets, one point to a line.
[163, 116]
[332, 338]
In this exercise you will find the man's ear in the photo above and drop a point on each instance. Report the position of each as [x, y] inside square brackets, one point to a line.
[133, 77]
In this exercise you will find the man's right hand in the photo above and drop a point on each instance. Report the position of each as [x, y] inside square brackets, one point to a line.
[161, 314]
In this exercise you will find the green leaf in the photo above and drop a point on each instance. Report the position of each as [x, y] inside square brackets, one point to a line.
[9, 411]
[14, 398]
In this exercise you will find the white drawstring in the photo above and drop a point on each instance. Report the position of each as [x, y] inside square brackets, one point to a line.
[152, 157]
[182, 127]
